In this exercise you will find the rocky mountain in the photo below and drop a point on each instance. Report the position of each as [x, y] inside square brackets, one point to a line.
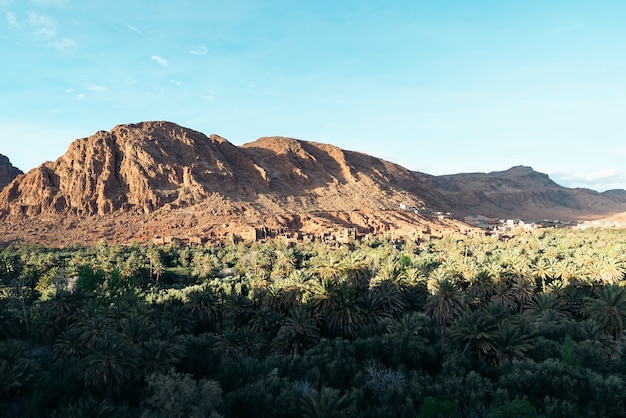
[157, 178]
[150, 179]
[7, 171]
[520, 192]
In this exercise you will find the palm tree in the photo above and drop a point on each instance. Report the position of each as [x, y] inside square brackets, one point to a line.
[266, 322]
[227, 343]
[544, 270]
[610, 271]
[8, 323]
[510, 341]
[594, 333]
[298, 329]
[608, 308]
[158, 355]
[357, 269]
[445, 304]
[94, 329]
[204, 306]
[344, 316]
[16, 370]
[323, 404]
[69, 345]
[476, 332]
[546, 308]
[391, 297]
[329, 267]
[411, 324]
[137, 328]
[523, 290]
[110, 366]
[504, 295]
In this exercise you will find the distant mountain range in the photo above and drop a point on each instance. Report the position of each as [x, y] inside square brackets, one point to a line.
[158, 178]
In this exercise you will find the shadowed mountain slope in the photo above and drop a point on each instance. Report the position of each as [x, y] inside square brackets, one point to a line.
[7, 171]
[521, 192]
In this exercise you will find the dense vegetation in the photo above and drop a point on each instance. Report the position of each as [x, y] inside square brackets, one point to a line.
[470, 327]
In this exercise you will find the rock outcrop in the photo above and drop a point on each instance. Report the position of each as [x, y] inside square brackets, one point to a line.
[157, 178]
[7, 171]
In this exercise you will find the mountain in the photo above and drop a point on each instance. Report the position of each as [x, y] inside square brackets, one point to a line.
[149, 179]
[157, 178]
[520, 192]
[7, 171]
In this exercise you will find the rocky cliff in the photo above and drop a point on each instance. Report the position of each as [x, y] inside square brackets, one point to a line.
[7, 171]
[157, 178]
[141, 180]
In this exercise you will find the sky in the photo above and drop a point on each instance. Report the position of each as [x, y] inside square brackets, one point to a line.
[440, 87]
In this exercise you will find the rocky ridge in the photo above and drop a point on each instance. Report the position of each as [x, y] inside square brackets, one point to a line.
[157, 178]
[150, 179]
[522, 193]
[7, 171]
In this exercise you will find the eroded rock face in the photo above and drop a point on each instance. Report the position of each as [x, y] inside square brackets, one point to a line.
[157, 178]
[7, 171]
[139, 167]
[158, 173]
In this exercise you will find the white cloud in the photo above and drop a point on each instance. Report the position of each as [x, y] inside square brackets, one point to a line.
[160, 60]
[208, 96]
[46, 29]
[176, 82]
[64, 44]
[79, 96]
[132, 28]
[607, 173]
[198, 50]
[12, 19]
[605, 179]
[43, 25]
[93, 87]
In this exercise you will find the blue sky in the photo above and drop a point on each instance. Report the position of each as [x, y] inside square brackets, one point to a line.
[436, 86]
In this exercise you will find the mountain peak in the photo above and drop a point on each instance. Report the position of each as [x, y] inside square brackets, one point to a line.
[7, 171]
[158, 178]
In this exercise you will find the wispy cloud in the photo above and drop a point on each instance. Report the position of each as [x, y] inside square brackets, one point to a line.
[45, 28]
[176, 82]
[198, 50]
[208, 96]
[12, 19]
[93, 87]
[132, 28]
[160, 60]
[605, 179]
[43, 25]
[64, 44]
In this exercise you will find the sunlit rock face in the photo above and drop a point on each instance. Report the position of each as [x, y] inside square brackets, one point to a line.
[179, 178]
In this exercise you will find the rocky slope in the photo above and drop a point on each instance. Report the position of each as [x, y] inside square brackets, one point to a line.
[7, 171]
[152, 179]
[157, 178]
[521, 192]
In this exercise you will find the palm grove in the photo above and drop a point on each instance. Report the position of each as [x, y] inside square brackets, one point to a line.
[470, 327]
